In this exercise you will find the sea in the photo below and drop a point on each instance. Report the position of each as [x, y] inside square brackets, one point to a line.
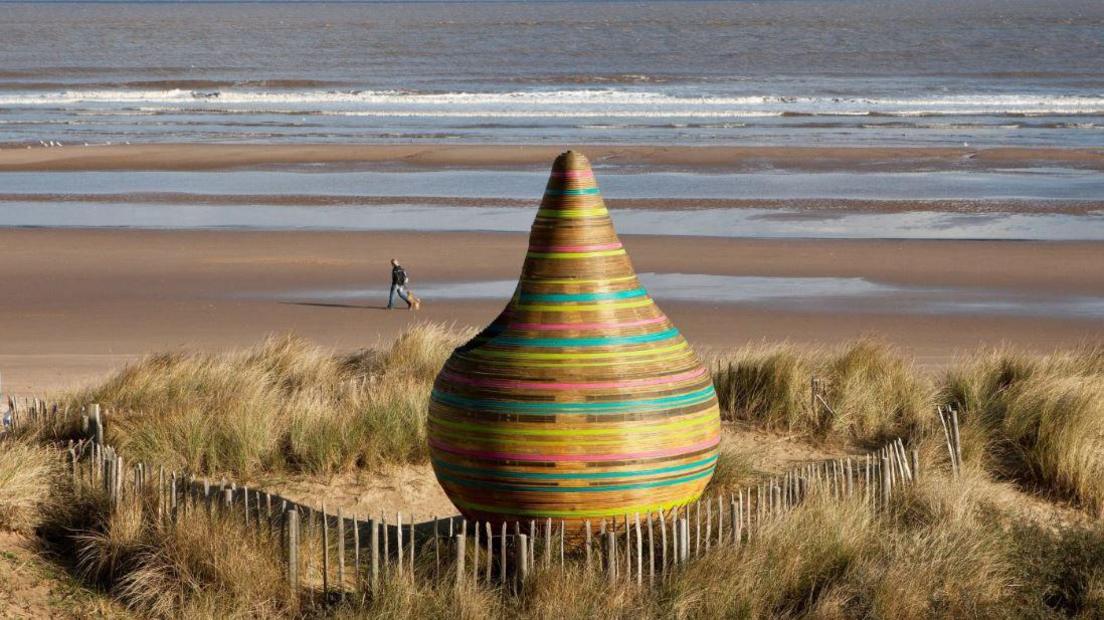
[782, 73]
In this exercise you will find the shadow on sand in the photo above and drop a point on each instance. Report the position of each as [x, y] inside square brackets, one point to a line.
[333, 305]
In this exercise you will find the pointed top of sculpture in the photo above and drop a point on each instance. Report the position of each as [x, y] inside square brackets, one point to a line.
[571, 160]
[572, 235]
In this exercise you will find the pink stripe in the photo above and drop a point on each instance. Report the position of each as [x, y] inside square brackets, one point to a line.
[573, 174]
[541, 385]
[559, 458]
[574, 248]
[540, 327]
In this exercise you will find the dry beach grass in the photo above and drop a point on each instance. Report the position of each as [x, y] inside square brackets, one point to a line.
[946, 547]
[285, 405]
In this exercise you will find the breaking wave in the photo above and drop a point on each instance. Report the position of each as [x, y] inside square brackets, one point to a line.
[552, 103]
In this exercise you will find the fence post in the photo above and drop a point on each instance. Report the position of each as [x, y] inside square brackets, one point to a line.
[685, 539]
[373, 550]
[490, 549]
[502, 555]
[588, 542]
[94, 409]
[325, 552]
[119, 474]
[532, 543]
[628, 549]
[522, 560]
[398, 544]
[651, 552]
[720, 518]
[340, 554]
[662, 543]
[639, 554]
[356, 554]
[957, 438]
[475, 555]
[461, 539]
[413, 542]
[611, 556]
[947, 433]
[387, 544]
[887, 481]
[291, 518]
[676, 538]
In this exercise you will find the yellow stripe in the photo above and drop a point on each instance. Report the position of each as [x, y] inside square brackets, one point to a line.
[574, 281]
[573, 255]
[636, 303]
[705, 417]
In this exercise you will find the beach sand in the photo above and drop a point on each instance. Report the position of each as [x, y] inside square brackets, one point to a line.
[711, 158]
[78, 303]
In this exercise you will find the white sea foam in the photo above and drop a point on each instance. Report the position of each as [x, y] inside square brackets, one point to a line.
[614, 103]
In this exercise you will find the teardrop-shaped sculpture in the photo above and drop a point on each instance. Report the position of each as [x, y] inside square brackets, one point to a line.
[581, 400]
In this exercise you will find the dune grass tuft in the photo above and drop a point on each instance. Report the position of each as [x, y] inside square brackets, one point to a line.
[872, 392]
[199, 566]
[1041, 417]
[285, 405]
[27, 473]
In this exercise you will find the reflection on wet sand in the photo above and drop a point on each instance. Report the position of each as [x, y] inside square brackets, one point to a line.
[813, 294]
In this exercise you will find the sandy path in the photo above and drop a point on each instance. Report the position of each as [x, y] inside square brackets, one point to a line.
[32, 587]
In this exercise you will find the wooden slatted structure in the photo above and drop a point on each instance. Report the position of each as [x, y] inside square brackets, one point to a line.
[580, 400]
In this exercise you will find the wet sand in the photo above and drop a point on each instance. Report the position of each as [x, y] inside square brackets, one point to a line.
[810, 206]
[719, 158]
[78, 303]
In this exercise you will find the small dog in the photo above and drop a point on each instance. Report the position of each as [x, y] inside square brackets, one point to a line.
[415, 301]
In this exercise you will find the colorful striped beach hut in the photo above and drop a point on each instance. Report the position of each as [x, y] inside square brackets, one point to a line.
[581, 400]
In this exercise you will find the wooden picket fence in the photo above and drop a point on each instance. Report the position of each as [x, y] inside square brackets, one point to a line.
[351, 555]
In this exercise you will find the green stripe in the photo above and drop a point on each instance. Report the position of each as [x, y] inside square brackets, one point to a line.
[550, 408]
[533, 475]
[607, 341]
[585, 191]
[636, 292]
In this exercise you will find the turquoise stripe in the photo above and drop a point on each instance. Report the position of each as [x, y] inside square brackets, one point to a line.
[605, 341]
[494, 473]
[504, 486]
[587, 191]
[636, 292]
[550, 408]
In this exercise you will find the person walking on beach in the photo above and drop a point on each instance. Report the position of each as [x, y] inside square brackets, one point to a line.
[399, 281]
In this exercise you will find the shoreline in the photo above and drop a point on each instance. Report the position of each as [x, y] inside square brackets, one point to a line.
[220, 156]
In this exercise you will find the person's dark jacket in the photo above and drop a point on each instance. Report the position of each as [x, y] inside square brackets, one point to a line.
[398, 276]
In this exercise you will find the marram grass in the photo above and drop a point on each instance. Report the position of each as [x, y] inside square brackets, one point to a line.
[1040, 418]
[872, 392]
[288, 405]
[285, 405]
[940, 550]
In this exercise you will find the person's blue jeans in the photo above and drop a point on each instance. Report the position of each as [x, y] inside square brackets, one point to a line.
[401, 290]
